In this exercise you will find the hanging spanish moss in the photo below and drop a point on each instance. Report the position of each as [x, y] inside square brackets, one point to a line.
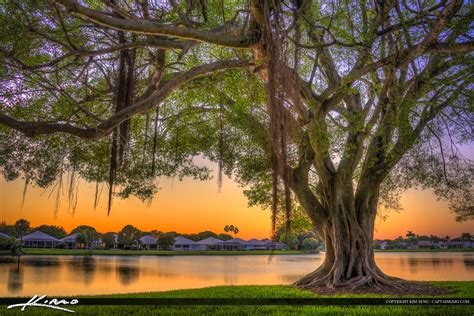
[123, 99]
[272, 37]
[25, 189]
[57, 202]
[155, 140]
[112, 170]
[221, 148]
[147, 123]
[71, 187]
[96, 196]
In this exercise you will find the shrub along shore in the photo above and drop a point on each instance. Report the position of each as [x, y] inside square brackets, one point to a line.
[458, 290]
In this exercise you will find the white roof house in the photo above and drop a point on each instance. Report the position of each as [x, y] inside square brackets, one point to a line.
[70, 238]
[209, 241]
[39, 235]
[38, 239]
[183, 243]
[2, 235]
[255, 244]
[148, 240]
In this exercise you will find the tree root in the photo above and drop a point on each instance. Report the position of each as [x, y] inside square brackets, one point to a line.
[374, 282]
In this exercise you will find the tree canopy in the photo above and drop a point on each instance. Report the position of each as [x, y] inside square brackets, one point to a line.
[338, 105]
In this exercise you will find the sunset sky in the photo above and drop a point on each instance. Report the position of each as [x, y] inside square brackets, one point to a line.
[192, 206]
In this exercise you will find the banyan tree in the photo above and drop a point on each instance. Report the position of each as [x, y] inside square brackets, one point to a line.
[332, 106]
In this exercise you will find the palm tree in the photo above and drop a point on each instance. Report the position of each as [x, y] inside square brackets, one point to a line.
[22, 226]
[231, 228]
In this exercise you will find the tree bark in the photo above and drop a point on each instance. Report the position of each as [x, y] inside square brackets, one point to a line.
[348, 235]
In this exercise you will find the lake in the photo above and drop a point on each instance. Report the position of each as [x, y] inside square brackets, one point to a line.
[74, 275]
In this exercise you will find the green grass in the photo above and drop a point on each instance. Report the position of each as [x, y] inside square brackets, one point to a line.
[427, 250]
[460, 290]
[40, 251]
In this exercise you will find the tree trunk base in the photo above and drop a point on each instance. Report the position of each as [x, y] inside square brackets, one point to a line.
[376, 283]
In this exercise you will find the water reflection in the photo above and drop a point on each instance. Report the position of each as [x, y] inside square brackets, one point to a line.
[73, 275]
[127, 270]
[15, 279]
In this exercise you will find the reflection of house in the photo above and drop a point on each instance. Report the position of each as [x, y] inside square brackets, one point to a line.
[183, 243]
[2, 235]
[208, 243]
[149, 242]
[38, 239]
[70, 242]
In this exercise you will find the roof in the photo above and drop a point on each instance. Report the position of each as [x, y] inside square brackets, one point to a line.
[180, 240]
[148, 240]
[424, 243]
[70, 238]
[235, 241]
[256, 242]
[39, 235]
[209, 241]
[2, 235]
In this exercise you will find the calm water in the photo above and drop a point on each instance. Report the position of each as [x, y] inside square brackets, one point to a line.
[68, 275]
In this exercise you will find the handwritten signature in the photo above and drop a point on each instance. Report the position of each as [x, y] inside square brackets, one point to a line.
[37, 301]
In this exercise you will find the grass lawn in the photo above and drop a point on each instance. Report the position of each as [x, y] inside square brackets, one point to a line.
[40, 251]
[460, 290]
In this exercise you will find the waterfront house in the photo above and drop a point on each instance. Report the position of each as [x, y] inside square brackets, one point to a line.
[70, 242]
[255, 244]
[38, 239]
[233, 244]
[149, 242]
[208, 243]
[183, 243]
[460, 244]
[425, 244]
[276, 245]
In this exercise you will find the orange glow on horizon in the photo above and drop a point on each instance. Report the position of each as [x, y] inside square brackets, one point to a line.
[191, 206]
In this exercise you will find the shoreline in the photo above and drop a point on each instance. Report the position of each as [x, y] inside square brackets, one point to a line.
[78, 252]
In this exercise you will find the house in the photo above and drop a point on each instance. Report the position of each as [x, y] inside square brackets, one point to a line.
[2, 235]
[384, 244]
[208, 243]
[70, 242]
[276, 245]
[232, 244]
[460, 244]
[183, 243]
[425, 244]
[38, 239]
[255, 244]
[149, 242]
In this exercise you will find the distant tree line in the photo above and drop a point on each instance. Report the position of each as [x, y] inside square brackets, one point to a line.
[128, 237]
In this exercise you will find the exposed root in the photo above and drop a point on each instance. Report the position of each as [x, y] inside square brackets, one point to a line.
[372, 283]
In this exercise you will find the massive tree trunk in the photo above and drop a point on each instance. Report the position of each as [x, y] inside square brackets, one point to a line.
[347, 231]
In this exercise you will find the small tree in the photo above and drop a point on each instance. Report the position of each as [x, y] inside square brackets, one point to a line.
[22, 226]
[166, 241]
[109, 240]
[129, 236]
